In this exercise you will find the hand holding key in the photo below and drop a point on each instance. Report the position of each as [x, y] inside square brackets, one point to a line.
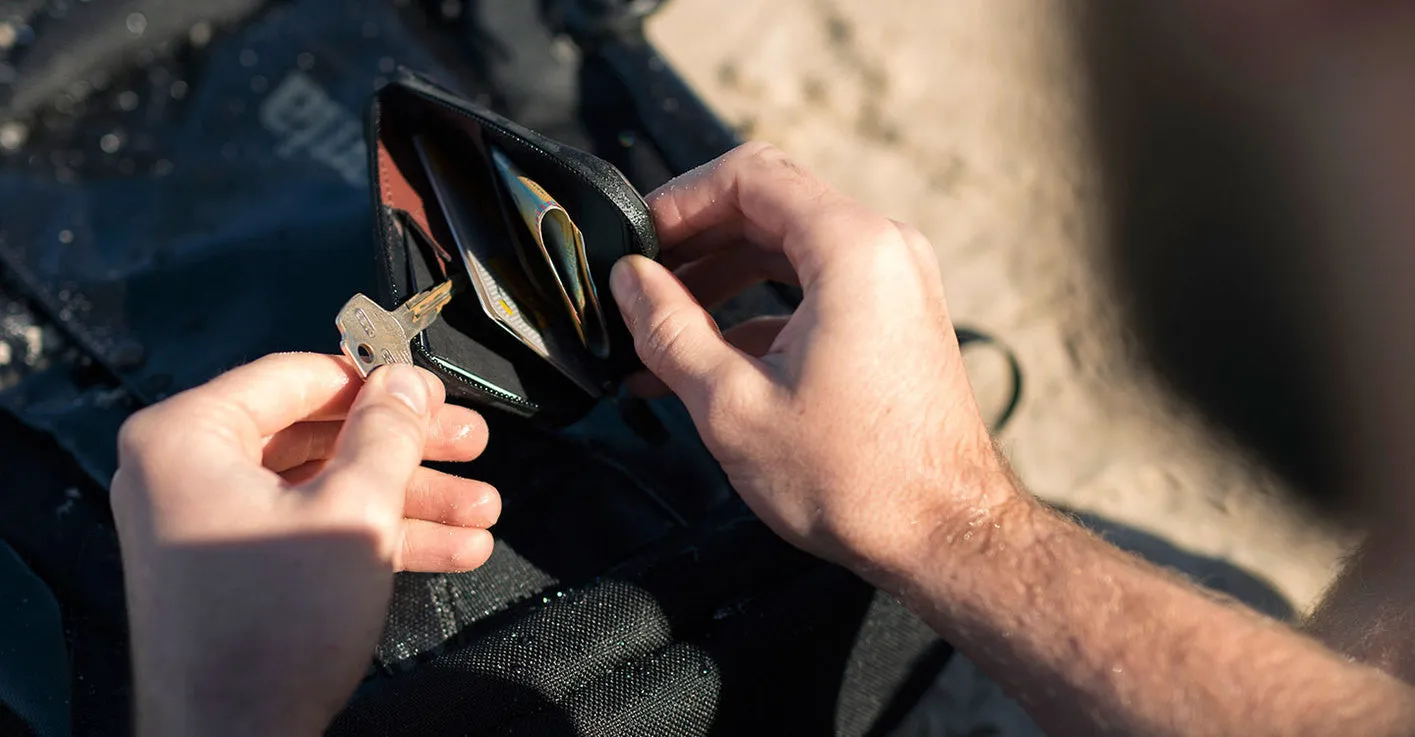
[288, 491]
[372, 336]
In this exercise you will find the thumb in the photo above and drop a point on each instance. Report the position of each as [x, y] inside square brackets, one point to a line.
[381, 443]
[675, 337]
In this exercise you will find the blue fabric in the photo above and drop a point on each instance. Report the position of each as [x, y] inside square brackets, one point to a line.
[254, 233]
[34, 677]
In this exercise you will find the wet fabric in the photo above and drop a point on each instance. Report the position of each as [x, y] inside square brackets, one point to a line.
[201, 201]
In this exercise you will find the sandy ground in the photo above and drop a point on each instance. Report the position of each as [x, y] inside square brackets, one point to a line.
[967, 119]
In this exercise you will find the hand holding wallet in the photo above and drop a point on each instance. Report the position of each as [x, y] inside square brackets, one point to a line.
[509, 238]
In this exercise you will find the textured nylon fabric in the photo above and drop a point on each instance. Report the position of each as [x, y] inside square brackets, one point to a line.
[603, 658]
[762, 638]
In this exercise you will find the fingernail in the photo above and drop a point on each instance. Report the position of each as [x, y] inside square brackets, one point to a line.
[407, 384]
[622, 280]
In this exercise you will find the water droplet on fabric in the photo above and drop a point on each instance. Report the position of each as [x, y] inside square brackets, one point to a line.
[200, 34]
[111, 142]
[136, 23]
[128, 100]
[13, 135]
[249, 58]
[627, 138]
[387, 65]
[259, 83]
[564, 50]
[179, 90]
[66, 236]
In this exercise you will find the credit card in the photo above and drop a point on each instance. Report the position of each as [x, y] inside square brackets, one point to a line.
[503, 291]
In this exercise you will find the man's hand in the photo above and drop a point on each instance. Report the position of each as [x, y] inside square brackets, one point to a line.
[261, 518]
[839, 425]
[851, 430]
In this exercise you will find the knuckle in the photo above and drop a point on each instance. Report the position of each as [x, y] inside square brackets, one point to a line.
[134, 432]
[763, 158]
[665, 338]
[392, 419]
[883, 235]
[913, 237]
[888, 246]
[751, 151]
[920, 247]
[144, 435]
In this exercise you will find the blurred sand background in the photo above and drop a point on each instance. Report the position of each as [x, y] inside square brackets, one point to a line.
[967, 118]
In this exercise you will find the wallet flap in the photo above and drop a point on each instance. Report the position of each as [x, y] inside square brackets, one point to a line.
[552, 163]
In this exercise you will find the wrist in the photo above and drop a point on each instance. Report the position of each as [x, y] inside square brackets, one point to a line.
[965, 510]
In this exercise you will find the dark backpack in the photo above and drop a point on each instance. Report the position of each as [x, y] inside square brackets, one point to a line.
[182, 189]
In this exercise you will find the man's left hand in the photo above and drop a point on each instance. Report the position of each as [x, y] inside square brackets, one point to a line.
[261, 518]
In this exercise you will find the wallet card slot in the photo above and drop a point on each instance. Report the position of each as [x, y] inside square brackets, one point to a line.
[399, 195]
[465, 343]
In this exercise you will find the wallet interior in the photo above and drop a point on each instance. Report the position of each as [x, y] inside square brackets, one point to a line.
[476, 357]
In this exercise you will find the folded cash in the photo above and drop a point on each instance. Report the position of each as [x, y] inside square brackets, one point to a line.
[562, 245]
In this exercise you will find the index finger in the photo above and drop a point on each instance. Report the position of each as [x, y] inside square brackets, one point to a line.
[756, 193]
[268, 395]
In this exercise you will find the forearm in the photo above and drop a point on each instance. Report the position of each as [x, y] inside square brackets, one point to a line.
[1093, 640]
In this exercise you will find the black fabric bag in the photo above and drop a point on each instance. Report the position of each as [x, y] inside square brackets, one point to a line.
[188, 196]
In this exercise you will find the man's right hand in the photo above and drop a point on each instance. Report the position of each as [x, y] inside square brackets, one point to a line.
[849, 427]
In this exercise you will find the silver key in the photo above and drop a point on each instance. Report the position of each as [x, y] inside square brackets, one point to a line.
[372, 336]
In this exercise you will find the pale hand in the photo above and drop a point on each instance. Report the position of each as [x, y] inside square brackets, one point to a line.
[261, 518]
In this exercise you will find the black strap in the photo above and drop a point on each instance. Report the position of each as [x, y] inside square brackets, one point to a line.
[967, 337]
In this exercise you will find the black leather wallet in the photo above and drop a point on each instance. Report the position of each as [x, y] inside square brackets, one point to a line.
[424, 220]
